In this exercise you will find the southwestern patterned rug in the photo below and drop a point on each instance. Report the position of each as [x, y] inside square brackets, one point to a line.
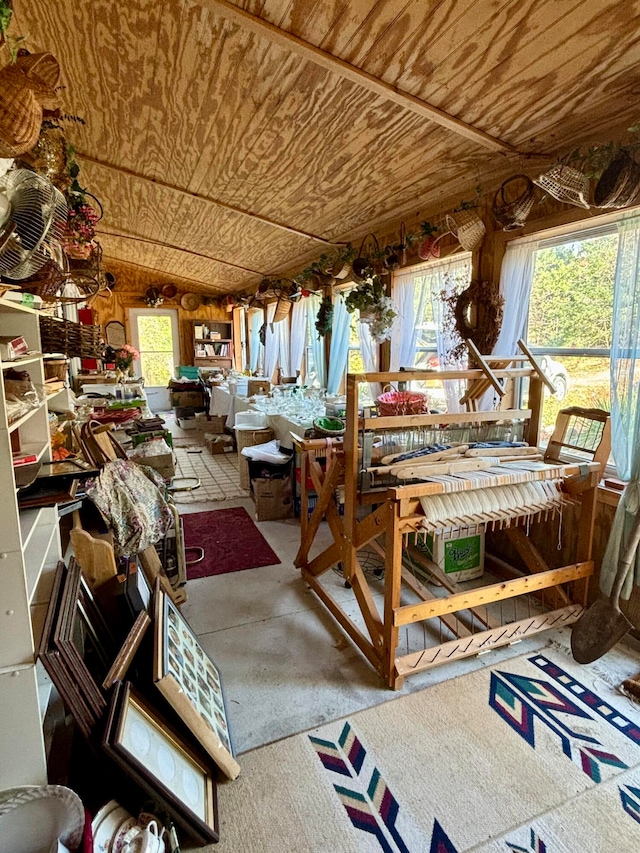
[535, 755]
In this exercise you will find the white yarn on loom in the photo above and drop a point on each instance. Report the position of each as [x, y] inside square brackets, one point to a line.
[490, 504]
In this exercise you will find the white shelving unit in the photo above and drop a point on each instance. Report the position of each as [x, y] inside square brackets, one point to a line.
[29, 552]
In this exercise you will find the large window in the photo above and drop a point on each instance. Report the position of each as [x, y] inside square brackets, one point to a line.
[155, 336]
[570, 318]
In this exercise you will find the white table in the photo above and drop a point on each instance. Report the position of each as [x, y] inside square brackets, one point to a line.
[224, 404]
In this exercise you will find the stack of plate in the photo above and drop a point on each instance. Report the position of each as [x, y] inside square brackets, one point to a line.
[109, 827]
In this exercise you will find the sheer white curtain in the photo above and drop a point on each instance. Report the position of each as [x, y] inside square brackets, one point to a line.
[282, 335]
[625, 400]
[317, 342]
[442, 279]
[255, 322]
[271, 343]
[370, 352]
[339, 345]
[298, 334]
[516, 278]
[409, 296]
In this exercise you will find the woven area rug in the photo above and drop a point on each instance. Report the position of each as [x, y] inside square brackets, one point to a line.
[230, 539]
[218, 474]
[535, 755]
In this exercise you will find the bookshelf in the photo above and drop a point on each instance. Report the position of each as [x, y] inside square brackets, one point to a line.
[212, 344]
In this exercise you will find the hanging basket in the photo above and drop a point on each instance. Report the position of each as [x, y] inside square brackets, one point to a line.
[362, 267]
[619, 183]
[39, 72]
[282, 309]
[566, 184]
[467, 227]
[513, 214]
[392, 403]
[20, 118]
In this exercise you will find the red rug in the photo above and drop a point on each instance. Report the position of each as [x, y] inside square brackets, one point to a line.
[230, 539]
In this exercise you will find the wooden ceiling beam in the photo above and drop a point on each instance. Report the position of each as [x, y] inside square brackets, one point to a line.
[356, 75]
[240, 211]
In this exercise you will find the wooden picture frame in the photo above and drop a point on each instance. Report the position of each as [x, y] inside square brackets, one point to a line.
[128, 650]
[190, 681]
[150, 752]
[69, 637]
[54, 664]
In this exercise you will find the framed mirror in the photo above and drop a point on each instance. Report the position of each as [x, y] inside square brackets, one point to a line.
[115, 334]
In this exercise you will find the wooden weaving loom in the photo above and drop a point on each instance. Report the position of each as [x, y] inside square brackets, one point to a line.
[438, 620]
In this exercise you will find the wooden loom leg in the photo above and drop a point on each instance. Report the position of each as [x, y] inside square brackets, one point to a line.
[356, 577]
[588, 505]
[325, 496]
[392, 587]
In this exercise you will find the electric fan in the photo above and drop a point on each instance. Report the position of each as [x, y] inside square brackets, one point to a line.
[36, 216]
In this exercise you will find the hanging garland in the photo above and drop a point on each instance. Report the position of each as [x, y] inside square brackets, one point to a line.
[324, 319]
[474, 314]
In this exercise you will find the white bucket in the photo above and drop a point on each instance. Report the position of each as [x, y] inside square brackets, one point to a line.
[250, 420]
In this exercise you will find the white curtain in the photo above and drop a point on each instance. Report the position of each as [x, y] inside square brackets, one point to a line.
[409, 296]
[298, 334]
[317, 341]
[256, 321]
[625, 400]
[282, 337]
[339, 345]
[516, 278]
[271, 343]
[369, 350]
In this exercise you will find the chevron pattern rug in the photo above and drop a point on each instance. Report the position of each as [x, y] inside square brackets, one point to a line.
[533, 755]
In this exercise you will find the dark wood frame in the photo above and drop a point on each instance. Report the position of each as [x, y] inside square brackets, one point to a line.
[204, 832]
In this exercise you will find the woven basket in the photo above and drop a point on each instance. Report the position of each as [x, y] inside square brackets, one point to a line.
[467, 227]
[566, 184]
[39, 72]
[282, 309]
[619, 183]
[46, 283]
[393, 403]
[513, 214]
[20, 118]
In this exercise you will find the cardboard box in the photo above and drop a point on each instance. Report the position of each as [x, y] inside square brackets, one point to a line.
[217, 424]
[218, 443]
[273, 499]
[258, 386]
[460, 557]
[163, 463]
[187, 398]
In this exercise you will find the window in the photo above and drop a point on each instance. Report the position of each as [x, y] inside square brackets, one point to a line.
[570, 318]
[155, 336]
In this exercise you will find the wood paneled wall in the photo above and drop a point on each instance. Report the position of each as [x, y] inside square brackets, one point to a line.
[131, 284]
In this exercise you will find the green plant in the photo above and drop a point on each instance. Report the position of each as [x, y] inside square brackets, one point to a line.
[324, 319]
[375, 307]
[5, 16]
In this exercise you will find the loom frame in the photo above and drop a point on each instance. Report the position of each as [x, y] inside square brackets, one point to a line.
[396, 510]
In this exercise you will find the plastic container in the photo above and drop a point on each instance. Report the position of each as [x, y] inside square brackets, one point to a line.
[250, 420]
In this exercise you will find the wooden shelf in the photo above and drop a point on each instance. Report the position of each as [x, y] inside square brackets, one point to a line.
[36, 553]
[28, 359]
[7, 306]
[213, 340]
[23, 420]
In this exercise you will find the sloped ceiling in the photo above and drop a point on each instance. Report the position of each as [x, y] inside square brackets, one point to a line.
[224, 148]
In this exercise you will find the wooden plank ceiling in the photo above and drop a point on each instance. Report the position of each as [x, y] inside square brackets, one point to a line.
[197, 116]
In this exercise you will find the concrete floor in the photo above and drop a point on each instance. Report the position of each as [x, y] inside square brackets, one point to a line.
[287, 666]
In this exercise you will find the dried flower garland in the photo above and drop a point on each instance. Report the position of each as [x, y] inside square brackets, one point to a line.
[474, 314]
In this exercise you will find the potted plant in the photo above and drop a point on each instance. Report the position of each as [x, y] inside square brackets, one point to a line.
[375, 307]
[124, 359]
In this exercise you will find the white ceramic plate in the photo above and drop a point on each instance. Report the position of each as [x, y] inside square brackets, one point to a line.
[105, 829]
[35, 816]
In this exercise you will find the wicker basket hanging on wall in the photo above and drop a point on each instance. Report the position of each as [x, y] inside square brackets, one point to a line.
[24, 86]
[467, 227]
[619, 183]
[566, 184]
[513, 214]
[282, 308]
